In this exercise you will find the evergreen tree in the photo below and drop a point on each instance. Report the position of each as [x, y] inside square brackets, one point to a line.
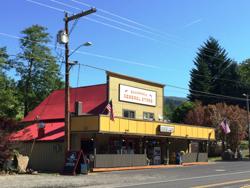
[214, 72]
[180, 112]
[201, 80]
[8, 99]
[37, 68]
[244, 71]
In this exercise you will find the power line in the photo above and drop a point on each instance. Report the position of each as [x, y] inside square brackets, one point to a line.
[113, 26]
[122, 29]
[41, 4]
[121, 23]
[65, 4]
[100, 22]
[112, 20]
[91, 54]
[177, 87]
[125, 30]
[44, 5]
[120, 59]
[131, 21]
[109, 19]
[126, 19]
[202, 93]
[73, 26]
[170, 86]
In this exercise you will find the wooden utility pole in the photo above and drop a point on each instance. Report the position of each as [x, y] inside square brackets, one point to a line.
[67, 19]
[67, 95]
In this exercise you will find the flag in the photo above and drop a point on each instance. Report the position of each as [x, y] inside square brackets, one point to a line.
[109, 107]
[225, 127]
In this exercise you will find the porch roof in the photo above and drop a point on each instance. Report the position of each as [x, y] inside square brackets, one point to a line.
[103, 124]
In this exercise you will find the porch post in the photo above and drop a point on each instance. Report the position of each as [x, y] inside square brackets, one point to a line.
[94, 150]
[167, 151]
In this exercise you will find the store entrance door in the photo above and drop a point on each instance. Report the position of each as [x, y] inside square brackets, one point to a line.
[87, 147]
[154, 152]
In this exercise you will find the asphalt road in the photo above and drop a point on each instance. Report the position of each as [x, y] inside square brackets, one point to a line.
[221, 174]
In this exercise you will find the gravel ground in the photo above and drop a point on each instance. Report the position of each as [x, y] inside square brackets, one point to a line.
[54, 180]
[172, 177]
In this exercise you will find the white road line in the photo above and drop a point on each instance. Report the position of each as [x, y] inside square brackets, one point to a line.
[182, 179]
[220, 170]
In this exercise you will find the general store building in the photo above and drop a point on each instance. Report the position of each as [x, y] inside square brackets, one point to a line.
[137, 136]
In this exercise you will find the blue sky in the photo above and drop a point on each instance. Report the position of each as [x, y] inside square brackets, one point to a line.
[161, 49]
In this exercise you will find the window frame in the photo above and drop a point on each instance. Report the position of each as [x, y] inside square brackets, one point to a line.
[150, 113]
[123, 111]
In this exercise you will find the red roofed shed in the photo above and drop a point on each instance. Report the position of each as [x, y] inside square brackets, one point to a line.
[51, 112]
[93, 99]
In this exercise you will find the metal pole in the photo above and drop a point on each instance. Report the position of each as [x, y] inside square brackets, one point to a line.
[247, 97]
[67, 94]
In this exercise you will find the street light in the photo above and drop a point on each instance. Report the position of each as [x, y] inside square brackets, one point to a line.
[72, 63]
[84, 44]
[248, 126]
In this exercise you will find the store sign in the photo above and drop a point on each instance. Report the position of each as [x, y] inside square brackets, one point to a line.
[137, 95]
[72, 161]
[166, 129]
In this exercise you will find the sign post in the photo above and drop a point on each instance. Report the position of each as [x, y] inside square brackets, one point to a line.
[73, 162]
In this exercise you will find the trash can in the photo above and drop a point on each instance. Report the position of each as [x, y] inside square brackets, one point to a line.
[84, 168]
[178, 158]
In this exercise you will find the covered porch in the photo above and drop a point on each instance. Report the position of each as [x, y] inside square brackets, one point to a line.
[128, 142]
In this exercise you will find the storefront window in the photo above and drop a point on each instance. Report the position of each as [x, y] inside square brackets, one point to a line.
[129, 114]
[148, 116]
[124, 146]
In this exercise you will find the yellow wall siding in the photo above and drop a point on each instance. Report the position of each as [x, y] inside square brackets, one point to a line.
[118, 106]
[139, 127]
[85, 123]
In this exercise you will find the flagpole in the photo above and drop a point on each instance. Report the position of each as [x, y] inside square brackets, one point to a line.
[105, 108]
[225, 138]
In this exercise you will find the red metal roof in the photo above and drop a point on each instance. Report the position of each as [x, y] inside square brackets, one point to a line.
[51, 112]
[93, 100]
[52, 131]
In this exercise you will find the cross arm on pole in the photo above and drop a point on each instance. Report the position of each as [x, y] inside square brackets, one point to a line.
[83, 13]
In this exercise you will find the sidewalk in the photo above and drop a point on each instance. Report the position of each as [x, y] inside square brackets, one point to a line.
[148, 167]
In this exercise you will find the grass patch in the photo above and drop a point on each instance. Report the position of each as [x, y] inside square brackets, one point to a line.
[213, 159]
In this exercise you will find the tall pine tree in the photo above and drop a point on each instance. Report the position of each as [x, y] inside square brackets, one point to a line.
[214, 72]
[37, 68]
[244, 71]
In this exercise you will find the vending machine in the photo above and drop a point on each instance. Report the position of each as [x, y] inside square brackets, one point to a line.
[157, 156]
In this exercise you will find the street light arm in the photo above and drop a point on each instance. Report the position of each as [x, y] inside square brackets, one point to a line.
[85, 44]
[75, 50]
